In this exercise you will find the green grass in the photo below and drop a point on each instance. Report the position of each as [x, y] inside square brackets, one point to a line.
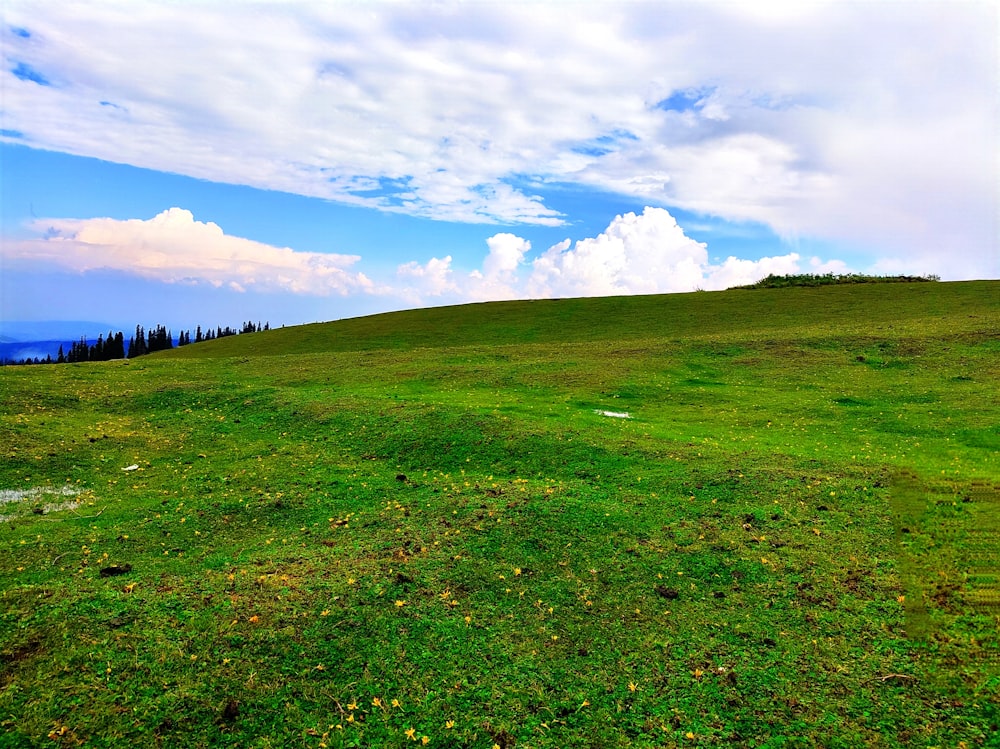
[419, 522]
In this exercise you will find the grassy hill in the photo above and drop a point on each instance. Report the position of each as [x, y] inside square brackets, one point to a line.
[739, 314]
[745, 518]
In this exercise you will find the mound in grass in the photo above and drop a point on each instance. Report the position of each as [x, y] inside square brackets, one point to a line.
[830, 279]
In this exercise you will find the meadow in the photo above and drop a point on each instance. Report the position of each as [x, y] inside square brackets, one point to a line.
[761, 518]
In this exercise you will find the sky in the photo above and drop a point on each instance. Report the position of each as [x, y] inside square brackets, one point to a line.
[213, 162]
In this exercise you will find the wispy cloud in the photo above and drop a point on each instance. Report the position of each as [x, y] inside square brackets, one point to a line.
[173, 247]
[869, 123]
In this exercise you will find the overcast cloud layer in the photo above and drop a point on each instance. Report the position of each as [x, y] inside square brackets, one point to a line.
[865, 123]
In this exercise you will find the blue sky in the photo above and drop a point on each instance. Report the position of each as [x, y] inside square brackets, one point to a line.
[214, 162]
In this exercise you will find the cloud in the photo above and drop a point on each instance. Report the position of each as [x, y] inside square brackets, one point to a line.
[436, 279]
[872, 124]
[737, 272]
[173, 247]
[646, 253]
[499, 275]
[636, 254]
[432, 279]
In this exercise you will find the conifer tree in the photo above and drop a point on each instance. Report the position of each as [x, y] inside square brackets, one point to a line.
[79, 351]
[110, 352]
[140, 342]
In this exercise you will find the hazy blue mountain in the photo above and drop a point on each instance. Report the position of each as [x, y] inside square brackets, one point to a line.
[21, 339]
[15, 351]
[13, 331]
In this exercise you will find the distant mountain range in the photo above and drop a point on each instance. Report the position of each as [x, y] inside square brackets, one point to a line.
[51, 330]
[30, 339]
[20, 340]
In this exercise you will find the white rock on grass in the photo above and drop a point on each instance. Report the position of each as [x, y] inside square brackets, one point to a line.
[9, 496]
[16, 495]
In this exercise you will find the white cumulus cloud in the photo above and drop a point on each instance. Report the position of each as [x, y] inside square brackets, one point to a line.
[498, 278]
[434, 278]
[737, 272]
[645, 253]
[173, 247]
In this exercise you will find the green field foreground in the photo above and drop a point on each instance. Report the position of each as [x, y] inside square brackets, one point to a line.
[761, 518]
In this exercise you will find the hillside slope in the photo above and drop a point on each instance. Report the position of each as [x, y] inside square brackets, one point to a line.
[955, 307]
[747, 519]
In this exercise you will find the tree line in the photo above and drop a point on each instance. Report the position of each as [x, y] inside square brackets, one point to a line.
[141, 343]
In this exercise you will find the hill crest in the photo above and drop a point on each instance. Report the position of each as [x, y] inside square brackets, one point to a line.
[813, 311]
